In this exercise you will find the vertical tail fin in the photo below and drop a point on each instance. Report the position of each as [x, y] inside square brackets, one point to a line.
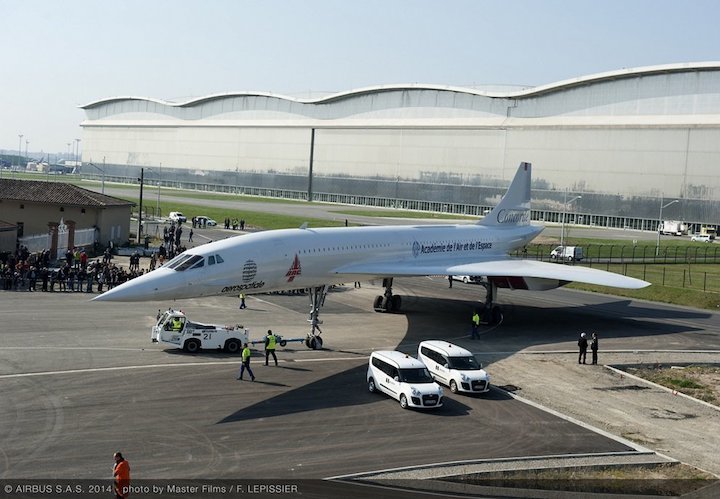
[514, 207]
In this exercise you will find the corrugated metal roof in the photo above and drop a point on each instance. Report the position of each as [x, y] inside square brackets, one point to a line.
[376, 89]
[59, 193]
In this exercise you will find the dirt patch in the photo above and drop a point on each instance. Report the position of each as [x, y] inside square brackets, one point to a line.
[700, 382]
[672, 479]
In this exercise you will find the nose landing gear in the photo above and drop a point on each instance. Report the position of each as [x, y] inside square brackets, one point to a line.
[387, 302]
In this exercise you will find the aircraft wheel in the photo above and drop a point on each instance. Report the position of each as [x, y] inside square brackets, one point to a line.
[371, 385]
[396, 302]
[387, 305]
[232, 346]
[314, 342]
[283, 343]
[192, 346]
[403, 401]
[453, 386]
[377, 304]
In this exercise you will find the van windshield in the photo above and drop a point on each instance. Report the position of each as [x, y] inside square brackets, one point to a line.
[417, 375]
[464, 363]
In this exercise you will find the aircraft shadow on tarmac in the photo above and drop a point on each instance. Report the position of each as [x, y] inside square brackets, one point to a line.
[526, 326]
[448, 317]
[346, 389]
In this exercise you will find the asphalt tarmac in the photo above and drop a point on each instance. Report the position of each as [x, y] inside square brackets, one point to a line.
[80, 380]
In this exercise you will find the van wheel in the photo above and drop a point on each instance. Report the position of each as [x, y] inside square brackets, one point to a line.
[403, 401]
[371, 386]
[453, 386]
[192, 346]
[465, 280]
[232, 346]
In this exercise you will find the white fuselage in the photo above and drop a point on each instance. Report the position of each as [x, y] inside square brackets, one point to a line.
[302, 258]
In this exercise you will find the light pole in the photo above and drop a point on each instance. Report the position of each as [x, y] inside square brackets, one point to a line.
[660, 221]
[103, 173]
[20, 136]
[159, 175]
[67, 158]
[141, 179]
[157, 207]
[77, 152]
[27, 142]
[562, 229]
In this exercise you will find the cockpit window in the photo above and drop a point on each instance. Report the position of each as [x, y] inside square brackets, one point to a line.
[199, 264]
[211, 260]
[219, 259]
[190, 262]
[177, 260]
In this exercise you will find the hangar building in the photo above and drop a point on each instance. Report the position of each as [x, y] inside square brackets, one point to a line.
[627, 141]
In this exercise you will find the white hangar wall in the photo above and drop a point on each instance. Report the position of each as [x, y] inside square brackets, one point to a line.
[679, 162]
[641, 133]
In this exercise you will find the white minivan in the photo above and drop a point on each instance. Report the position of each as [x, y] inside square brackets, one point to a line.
[404, 378]
[454, 366]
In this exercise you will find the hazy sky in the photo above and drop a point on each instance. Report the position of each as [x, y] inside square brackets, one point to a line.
[57, 55]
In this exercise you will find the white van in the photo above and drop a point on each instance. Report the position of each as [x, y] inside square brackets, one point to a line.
[404, 378]
[454, 366]
[176, 216]
[569, 253]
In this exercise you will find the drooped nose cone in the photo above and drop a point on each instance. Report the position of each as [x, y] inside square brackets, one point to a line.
[159, 284]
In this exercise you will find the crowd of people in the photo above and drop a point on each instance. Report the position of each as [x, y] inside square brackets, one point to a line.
[75, 272]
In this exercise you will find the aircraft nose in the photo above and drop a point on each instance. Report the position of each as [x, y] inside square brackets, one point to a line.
[152, 286]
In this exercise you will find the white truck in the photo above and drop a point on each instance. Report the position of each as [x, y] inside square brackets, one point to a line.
[569, 253]
[673, 228]
[174, 328]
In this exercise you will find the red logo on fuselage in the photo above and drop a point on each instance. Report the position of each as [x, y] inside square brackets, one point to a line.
[294, 270]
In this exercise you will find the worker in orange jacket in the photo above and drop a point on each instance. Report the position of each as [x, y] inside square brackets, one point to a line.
[121, 475]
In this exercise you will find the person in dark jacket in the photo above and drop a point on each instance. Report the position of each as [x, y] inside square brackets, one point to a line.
[594, 347]
[582, 344]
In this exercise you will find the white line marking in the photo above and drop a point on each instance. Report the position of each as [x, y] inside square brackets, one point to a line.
[156, 366]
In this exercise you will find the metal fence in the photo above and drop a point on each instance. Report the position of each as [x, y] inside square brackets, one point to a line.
[626, 253]
[83, 238]
[673, 266]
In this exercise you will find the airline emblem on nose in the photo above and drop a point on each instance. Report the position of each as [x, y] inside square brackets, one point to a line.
[294, 270]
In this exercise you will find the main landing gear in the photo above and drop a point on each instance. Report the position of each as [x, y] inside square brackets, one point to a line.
[387, 302]
[317, 299]
[491, 313]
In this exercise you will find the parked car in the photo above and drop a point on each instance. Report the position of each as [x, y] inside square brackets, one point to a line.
[472, 279]
[404, 378]
[569, 253]
[453, 366]
[177, 216]
[703, 238]
[205, 221]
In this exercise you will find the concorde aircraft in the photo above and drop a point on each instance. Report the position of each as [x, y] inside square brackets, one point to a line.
[314, 259]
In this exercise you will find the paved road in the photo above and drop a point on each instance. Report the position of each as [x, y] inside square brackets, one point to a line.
[80, 380]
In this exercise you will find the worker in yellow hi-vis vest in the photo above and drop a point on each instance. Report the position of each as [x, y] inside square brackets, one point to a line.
[270, 343]
[475, 324]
